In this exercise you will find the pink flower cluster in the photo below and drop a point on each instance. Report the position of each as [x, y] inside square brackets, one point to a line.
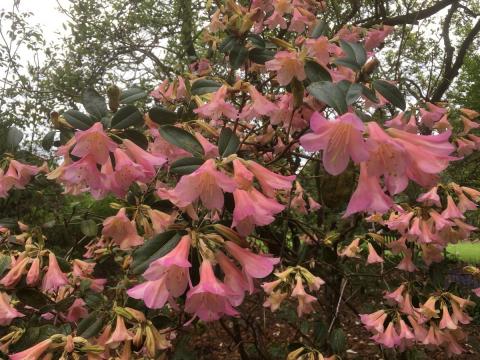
[18, 176]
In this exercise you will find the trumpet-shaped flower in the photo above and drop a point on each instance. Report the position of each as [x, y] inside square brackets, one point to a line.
[121, 230]
[94, 142]
[340, 140]
[288, 65]
[7, 311]
[254, 265]
[54, 277]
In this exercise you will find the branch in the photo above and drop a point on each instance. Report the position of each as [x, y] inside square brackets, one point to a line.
[452, 71]
[411, 18]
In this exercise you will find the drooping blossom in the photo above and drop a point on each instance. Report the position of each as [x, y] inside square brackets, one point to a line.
[373, 257]
[253, 208]
[148, 161]
[268, 180]
[32, 353]
[288, 65]
[14, 275]
[120, 334]
[388, 338]
[54, 277]
[154, 293]
[126, 172]
[173, 267]
[217, 106]
[121, 230]
[254, 265]
[375, 37]
[431, 114]
[368, 195]
[206, 183]
[94, 142]
[209, 298]
[430, 197]
[374, 321]
[234, 279]
[340, 140]
[319, 48]
[33, 274]
[7, 311]
[77, 311]
[304, 300]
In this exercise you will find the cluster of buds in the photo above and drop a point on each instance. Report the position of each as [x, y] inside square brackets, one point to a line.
[436, 322]
[291, 282]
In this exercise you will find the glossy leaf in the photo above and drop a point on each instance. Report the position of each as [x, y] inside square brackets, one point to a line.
[131, 95]
[47, 141]
[78, 119]
[94, 103]
[162, 116]
[204, 86]
[228, 142]
[316, 72]
[391, 93]
[181, 138]
[237, 56]
[14, 137]
[186, 166]
[126, 116]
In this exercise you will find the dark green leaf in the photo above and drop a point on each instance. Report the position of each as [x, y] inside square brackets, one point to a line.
[260, 56]
[329, 94]
[181, 138]
[204, 86]
[369, 94]
[186, 166]
[8, 223]
[228, 142]
[256, 40]
[319, 29]
[47, 141]
[88, 227]
[237, 56]
[5, 262]
[338, 341]
[349, 63]
[14, 137]
[131, 95]
[90, 326]
[162, 116]
[137, 137]
[126, 116]
[316, 72]
[353, 94]
[94, 103]
[355, 52]
[33, 298]
[228, 44]
[391, 93]
[78, 119]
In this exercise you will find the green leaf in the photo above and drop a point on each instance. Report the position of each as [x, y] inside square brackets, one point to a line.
[47, 141]
[126, 116]
[163, 243]
[131, 95]
[162, 116]
[204, 86]
[338, 341]
[78, 119]
[90, 326]
[88, 227]
[349, 63]
[5, 262]
[33, 298]
[94, 103]
[353, 93]
[354, 52]
[14, 137]
[228, 44]
[136, 136]
[256, 41]
[316, 72]
[319, 29]
[8, 223]
[329, 94]
[186, 165]
[228, 142]
[391, 93]
[369, 94]
[260, 56]
[181, 138]
[237, 56]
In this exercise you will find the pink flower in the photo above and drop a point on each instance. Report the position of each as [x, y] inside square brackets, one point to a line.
[389, 338]
[376, 36]
[217, 106]
[32, 353]
[148, 161]
[77, 311]
[206, 183]
[33, 274]
[120, 334]
[319, 48]
[23, 173]
[270, 181]
[126, 172]
[153, 293]
[94, 142]
[160, 220]
[446, 321]
[368, 195]
[407, 264]
[269, 287]
[234, 279]
[287, 65]
[54, 277]
[121, 230]
[430, 197]
[373, 257]
[83, 171]
[396, 295]
[6, 183]
[352, 249]
[15, 273]
[431, 114]
[304, 300]
[374, 321]
[254, 265]
[209, 299]
[211, 151]
[174, 267]
[340, 140]
[253, 208]
[7, 312]
[452, 211]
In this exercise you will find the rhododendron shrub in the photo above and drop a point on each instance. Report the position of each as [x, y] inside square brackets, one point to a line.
[217, 180]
